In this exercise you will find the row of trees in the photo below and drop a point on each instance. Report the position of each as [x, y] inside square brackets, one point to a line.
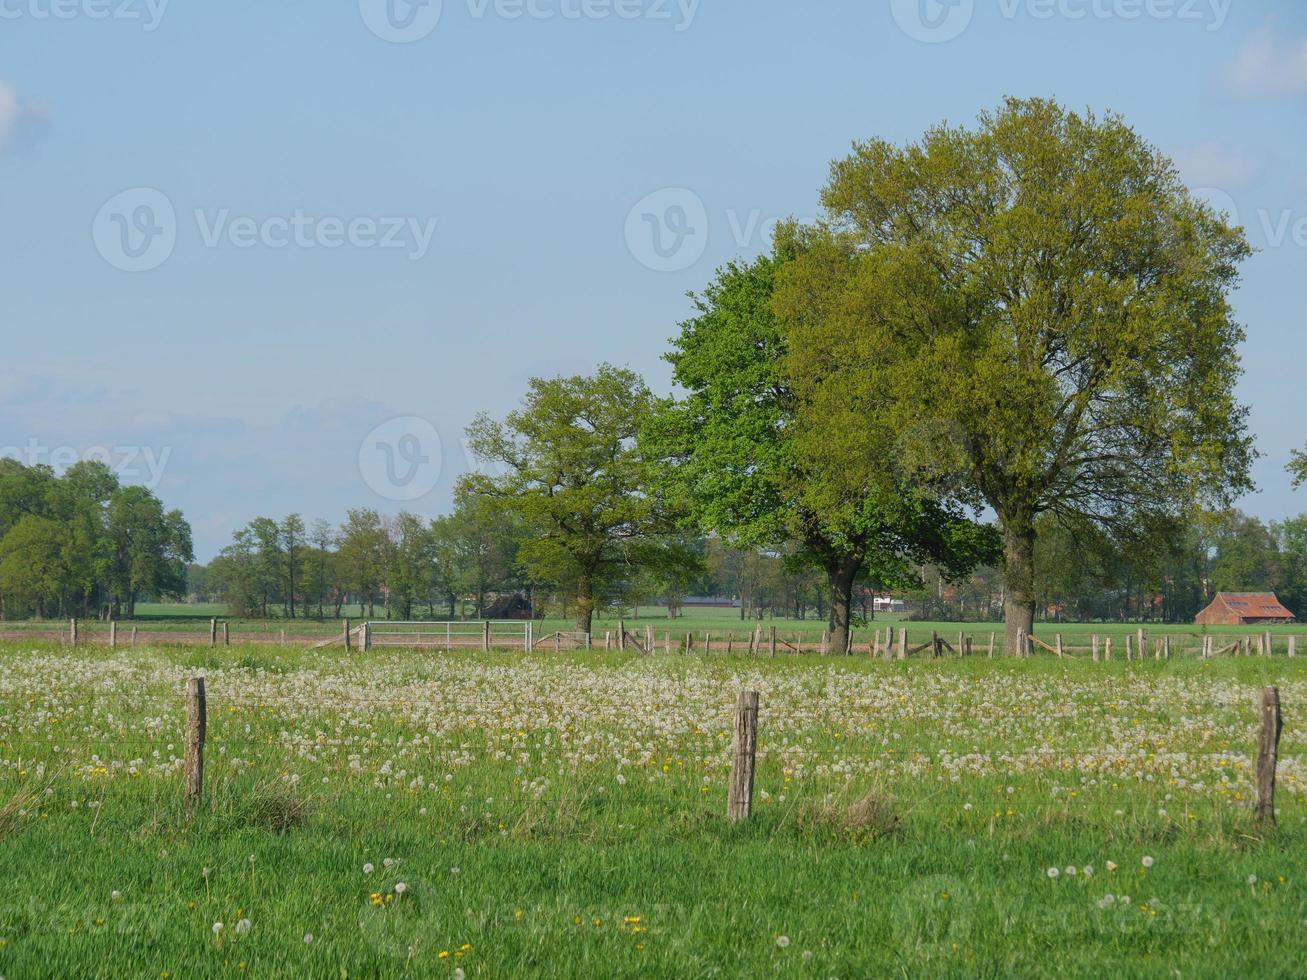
[82, 544]
[465, 564]
[1028, 318]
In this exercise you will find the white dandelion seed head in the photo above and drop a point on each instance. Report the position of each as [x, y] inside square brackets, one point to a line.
[217, 928]
[367, 868]
[400, 888]
[1053, 872]
[782, 941]
[243, 926]
[1147, 861]
[308, 938]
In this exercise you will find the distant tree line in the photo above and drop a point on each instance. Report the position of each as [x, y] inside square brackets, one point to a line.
[82, 544]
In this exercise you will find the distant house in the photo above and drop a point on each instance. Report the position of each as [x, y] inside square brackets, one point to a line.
[1244, 609]
[513, 605]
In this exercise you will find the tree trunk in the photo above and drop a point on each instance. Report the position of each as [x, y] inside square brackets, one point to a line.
[841, 577]
[585, 606]
[1019, 578]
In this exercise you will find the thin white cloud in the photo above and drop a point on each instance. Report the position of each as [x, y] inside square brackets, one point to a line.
[10, 108]
[20, 120]
[1271, 65]
[1214, 164]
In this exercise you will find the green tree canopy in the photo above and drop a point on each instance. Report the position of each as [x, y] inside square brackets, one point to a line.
[575, 479]
[1039, 308]
[733, 459]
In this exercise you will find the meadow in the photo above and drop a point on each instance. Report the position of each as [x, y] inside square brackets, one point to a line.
[402, 812]
[189, 622]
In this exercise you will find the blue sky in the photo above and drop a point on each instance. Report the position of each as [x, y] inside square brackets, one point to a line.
[354, 226]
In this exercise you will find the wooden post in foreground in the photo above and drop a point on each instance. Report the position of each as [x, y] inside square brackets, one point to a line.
[345, 632]
[772, 644]
[72, 631]
[991, 646]
[739, 798]
[133, 636]
[1059, 646]
[1268, 745]
[1293, 646]
[195, 725]
[485, 636]
[226, 633]
[213, 632]
[903, 643]
[113, 633]
[1094, 644]
[365, 637]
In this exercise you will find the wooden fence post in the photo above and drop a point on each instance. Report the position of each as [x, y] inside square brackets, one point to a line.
[621, 635]
[113, 633]
[226, 633]
[133, 636]
[196, 721]
[991, 646]
[739, 799]
[345, 632]
[72, 631]
[1166, 647]
[1293, 646]
[485, 636]
[648, 639]
[213, 632]
[1142, 643]
[1268, 744]
[772, 641]
[1093, 642]
[1021, 643]
[365, 637]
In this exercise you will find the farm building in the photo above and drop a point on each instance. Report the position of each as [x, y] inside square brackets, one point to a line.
[1244, 609]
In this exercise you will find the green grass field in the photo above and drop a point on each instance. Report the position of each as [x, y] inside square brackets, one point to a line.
[405, 813]
[179, 618]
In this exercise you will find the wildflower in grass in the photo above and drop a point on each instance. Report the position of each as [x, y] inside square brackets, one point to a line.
[400, 888]
[1111, 865]
[1053, 872]
[1147, 861]
[115, 894]
[242, 927]
[217, 928]
[459, 974]
[1252, 879]
[388, 863]
[782, 941]
[455, 871]
[1106, 900]
[1071, 869]
[308, 939]
[368, 868]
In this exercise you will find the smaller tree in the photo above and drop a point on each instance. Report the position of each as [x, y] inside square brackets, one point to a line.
[1298, 468]
[575, 480]
[34, 563]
